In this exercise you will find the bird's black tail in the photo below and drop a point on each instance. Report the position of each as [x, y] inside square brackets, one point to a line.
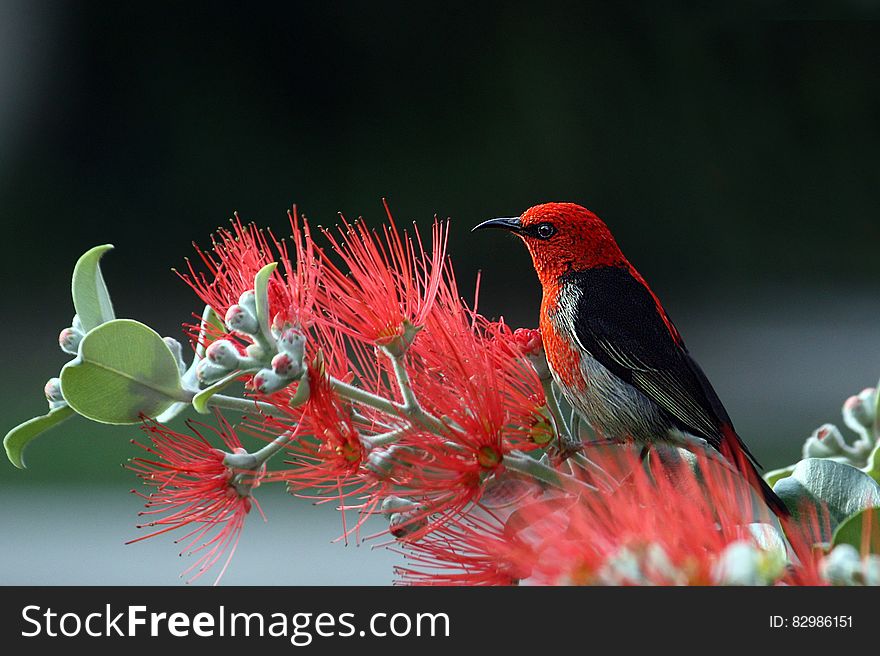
[733, 448]
[772, 499]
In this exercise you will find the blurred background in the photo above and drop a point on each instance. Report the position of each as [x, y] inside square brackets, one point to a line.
[734, 157]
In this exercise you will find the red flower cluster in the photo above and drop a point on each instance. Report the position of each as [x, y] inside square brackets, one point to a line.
[668, 526]
[415, 406]
[193, 488]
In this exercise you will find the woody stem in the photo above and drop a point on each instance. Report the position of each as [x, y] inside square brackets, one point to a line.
[358, 395]
[243, 405]
[253, 460]
[536, 469]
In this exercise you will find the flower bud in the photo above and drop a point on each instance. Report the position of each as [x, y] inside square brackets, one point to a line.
[392, 504]
[528, 341]
[77, 325]
[859, 411]
[223, 353]
[248, 301]
[239, 318]
[825, 442]
[871, 569]
[405, 524]
[208, 373]
[739, 564]
[267, 381]
[842, 566]
[69, 340]
[286, 367]
[292, 342]
[280, 323]
[53, 393]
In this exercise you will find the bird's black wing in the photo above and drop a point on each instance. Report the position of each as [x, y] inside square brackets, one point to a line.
[617, 320]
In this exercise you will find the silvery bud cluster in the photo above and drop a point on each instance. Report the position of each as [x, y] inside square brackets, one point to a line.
[242, 317]
[70, 338]
[287, 366]
[827, 442]
[844, 566]
[53, 393]
[221, 359]
[859, 412]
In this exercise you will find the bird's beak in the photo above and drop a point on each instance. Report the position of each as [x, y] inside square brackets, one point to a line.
[513, 224]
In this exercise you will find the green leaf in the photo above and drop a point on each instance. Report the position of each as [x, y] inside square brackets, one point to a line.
[173, 411]
[19, 437]
[772, 477]
[124, 368]
[832, 489]
[861, 529]
[261, 292]
[90, 296]
[872, 469]
[211, 323]
[200, 400]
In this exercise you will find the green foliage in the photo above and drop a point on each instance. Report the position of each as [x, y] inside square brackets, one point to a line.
[19, 437]
[776, 475]
[124, 369]
[872, 469]
[861, 530]
[261, 291]
[90, 296]
[200, 400]
[833, 489]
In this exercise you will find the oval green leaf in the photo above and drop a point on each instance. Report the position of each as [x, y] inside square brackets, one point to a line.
[862, 531]
[90, 296]
[834, 489]
[19, 437]
[124, 369]
[776, 475]
[261, 292]
[872, 469]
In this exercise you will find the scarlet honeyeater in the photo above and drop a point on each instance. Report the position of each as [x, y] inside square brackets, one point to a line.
[611, 346]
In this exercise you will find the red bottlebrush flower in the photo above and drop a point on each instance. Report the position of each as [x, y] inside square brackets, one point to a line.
[326, 453]
[193, 488]
[391, 280]
[237, 255]
[464, 371]
[669, 527]
[471, 549]
[327, 450]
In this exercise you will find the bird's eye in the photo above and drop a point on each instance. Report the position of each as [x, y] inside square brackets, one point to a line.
[545, 230]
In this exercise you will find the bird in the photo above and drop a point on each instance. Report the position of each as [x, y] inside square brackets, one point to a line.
[613, 350]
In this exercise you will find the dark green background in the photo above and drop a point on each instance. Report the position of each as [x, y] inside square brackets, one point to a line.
[734, 153]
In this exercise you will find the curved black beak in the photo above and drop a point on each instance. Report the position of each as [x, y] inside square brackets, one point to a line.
[513, 224]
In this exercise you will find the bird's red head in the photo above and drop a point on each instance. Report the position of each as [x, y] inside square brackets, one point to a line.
[562, 237]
